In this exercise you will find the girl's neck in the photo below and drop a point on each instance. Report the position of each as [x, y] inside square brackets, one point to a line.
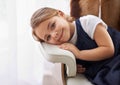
[72, 29]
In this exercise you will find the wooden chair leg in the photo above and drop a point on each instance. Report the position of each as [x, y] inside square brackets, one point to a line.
[63, 74]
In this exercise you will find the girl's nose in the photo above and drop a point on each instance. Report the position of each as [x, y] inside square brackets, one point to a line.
[54, 35]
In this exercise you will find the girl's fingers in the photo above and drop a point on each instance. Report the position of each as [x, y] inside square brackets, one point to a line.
[79, 66]
[80, 69]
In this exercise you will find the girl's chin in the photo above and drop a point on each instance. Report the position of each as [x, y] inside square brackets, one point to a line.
[60, 43]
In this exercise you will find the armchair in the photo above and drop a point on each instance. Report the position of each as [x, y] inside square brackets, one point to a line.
[65, 65]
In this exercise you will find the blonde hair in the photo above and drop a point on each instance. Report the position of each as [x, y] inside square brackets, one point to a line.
[43, 14]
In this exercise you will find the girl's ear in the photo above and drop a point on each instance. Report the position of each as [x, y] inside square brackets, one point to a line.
[60, 13]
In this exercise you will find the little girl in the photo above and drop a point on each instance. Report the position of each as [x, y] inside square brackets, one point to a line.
[95, 45]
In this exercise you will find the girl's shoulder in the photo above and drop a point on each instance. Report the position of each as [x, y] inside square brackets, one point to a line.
[89, 23]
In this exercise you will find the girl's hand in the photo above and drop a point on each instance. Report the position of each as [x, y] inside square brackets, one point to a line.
[80, 69]
[68, 46]
[72, 48]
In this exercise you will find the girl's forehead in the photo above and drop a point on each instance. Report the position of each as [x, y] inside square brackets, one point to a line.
[47, 22]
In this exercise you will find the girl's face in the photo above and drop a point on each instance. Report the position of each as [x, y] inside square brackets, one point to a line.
[56, 30]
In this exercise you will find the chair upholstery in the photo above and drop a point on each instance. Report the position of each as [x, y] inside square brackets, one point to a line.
[64, 60]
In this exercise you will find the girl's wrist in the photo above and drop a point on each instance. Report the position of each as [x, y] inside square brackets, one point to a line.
[76, 51]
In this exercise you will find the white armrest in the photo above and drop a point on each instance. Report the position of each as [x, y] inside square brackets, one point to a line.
[56, 55]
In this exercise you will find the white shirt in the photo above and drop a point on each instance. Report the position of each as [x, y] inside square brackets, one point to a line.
[88, 23]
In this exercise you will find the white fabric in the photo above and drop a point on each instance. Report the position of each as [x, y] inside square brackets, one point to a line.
[89, 23]
[74, 37]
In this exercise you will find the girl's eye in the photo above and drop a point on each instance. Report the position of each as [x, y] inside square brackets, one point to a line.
[48, 37]
[53, 25]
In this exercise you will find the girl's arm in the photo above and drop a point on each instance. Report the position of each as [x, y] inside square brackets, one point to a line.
[104, 50]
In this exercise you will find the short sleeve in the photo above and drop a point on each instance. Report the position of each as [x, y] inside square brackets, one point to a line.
[89, 23]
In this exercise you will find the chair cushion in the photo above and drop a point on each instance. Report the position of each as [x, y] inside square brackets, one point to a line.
[80, 79]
